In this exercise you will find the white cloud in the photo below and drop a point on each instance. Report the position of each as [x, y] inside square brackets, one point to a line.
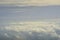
[31, 2]
[32, 29]
[33, 26]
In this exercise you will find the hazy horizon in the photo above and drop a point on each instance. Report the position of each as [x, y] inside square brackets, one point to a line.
[29, 13]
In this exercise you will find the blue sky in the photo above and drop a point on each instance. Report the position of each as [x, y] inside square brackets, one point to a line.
[29, 13]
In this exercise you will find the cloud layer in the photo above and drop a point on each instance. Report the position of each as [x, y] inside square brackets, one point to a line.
[31, 2]
[30, 31]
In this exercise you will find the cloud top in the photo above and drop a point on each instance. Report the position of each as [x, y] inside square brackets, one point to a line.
[31, 30]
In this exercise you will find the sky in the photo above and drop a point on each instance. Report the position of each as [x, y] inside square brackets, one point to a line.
[43, 9]
[29, 13]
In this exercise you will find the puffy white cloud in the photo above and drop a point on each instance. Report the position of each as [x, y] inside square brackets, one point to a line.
[29, 30]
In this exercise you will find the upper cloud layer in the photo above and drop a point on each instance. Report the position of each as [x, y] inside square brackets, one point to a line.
[31, 2]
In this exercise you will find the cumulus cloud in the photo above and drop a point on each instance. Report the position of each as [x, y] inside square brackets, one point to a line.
[31, 31]
[31, 2]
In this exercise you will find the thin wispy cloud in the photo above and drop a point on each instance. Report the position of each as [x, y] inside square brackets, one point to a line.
[31, 2]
